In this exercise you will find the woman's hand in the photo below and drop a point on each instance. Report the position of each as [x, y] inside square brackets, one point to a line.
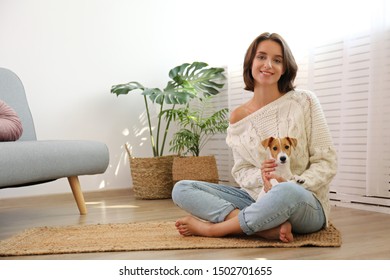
[267, 167]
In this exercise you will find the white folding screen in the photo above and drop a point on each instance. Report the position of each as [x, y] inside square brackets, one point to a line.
[378, 160]
[343, 76]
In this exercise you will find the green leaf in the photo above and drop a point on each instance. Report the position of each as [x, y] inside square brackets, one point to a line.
[155, 94]
[126, 88]
[178, 69]
[197, 79]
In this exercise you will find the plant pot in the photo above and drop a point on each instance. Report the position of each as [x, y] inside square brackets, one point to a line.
[152, 177]
[202, 168]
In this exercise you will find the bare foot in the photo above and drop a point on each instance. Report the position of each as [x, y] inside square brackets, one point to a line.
[192, 226]
[285, 233]
[282, 232]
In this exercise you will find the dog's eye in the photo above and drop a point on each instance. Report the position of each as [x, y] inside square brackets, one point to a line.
[274, 148]
[286, 147]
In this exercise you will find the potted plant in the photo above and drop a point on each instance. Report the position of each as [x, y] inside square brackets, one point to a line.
[198, 122]
[152, 177]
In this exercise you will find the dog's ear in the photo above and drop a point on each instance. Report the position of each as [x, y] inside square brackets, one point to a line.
[293, 141]
[267, 142]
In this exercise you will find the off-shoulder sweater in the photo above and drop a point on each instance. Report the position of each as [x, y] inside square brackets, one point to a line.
[296, 114]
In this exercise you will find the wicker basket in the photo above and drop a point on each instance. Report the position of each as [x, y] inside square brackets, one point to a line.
[202, 168]
[152, 177]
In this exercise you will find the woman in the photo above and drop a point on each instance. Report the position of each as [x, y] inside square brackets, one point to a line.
[275, 110]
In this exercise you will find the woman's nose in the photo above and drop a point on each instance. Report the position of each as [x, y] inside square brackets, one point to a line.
[268, 63]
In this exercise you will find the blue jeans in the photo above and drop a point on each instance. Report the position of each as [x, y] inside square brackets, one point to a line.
[284, 202]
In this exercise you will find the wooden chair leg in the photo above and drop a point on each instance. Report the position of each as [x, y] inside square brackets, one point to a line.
[78, 194]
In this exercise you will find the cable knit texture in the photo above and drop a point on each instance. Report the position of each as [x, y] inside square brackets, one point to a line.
[296, 114]
[10, 125]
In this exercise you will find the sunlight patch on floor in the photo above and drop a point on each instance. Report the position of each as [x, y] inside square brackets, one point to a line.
[102, 205]
[118, 206]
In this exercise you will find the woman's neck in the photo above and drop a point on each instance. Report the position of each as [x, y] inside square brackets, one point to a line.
[262, 96]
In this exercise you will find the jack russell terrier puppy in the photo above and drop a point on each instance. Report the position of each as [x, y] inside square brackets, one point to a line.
[280, 150]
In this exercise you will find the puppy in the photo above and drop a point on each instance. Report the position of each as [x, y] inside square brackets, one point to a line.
[280, 150]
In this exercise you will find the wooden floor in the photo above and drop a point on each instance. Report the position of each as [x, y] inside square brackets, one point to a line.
[366, 235]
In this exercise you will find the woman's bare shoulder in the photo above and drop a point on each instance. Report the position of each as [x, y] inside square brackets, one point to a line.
[238, 114]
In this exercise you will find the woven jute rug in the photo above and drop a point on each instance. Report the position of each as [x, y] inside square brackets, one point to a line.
[140, 237]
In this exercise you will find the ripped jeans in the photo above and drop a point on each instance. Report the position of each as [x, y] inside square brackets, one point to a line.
[286, 201]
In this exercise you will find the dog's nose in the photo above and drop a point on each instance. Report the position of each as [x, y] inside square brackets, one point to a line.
[283, 158]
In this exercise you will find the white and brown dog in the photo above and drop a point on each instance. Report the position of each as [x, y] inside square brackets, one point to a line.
[280, 150]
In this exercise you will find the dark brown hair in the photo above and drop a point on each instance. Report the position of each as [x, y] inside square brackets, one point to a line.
[286, 81]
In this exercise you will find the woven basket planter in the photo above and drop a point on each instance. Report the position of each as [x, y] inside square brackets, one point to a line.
[203, 168]
[152, 177]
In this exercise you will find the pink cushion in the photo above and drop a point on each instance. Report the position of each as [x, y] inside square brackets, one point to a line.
[10, 126]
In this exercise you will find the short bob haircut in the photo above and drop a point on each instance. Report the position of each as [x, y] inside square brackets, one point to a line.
[286, 81]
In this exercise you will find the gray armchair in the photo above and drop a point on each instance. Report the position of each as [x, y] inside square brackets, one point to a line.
[28, 161]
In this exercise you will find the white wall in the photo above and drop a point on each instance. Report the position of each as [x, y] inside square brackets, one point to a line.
[68, 53]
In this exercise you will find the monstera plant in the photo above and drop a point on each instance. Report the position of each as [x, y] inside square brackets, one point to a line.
[152, 177]
[187, 81]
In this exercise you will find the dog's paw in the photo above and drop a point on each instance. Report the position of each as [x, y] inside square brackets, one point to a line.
[298, 179]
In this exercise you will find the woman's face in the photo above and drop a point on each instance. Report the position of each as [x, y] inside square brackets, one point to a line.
[267, 66]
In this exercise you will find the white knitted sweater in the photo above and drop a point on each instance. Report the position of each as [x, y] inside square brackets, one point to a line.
[296, 114]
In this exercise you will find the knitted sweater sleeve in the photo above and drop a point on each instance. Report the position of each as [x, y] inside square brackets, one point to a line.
[245, 143]
[322, 155]
[247, 175]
